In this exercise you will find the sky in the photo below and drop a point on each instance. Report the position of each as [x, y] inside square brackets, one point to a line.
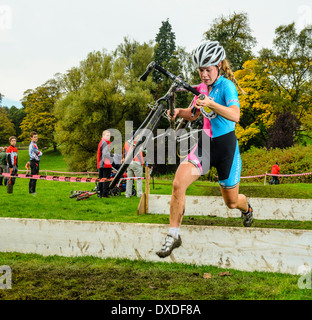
[39, 38]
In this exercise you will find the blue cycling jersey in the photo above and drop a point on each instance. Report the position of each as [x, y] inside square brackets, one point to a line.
[225, 93]
[218, 146]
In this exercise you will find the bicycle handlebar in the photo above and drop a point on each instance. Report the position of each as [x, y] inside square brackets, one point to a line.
[168, 74]
[149, 69]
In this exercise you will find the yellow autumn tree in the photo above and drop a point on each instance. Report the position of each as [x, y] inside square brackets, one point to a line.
[256, 108]
[39, 104]
[306, 124]
[288, 65]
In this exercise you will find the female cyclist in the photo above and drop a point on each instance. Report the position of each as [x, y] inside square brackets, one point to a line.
[218, 144]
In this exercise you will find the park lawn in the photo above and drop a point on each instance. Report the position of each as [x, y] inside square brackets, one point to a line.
[90, 278]
[52, 200]
[51, 160]
[35, 277]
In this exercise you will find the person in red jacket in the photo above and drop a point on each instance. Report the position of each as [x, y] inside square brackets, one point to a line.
[104, 163]
[12, 163]
[275, 170]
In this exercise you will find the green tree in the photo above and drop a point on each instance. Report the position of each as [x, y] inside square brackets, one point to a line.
[174, 59]
[165, 55]
[234, 34]
[256, 106]
[39, 104]
[16, 115]
[6, 127]
[289, 67]
[165, 49]
[101, 94]
[131, 61]
[86, 110]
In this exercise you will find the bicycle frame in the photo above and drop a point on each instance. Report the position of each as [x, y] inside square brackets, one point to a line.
[144, 133]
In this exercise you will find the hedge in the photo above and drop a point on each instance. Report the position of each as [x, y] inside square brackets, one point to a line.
[292, 160]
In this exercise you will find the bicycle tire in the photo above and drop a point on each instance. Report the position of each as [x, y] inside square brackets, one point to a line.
[115, 192]
[83, 196]
[76, 194]
[151, 125]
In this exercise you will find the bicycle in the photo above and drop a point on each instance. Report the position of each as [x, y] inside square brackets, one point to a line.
[76, 193]
[152, 120]
[121, 186]
[83, 194]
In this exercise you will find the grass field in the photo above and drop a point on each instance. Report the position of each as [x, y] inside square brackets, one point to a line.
[60, 278]
[37, 277]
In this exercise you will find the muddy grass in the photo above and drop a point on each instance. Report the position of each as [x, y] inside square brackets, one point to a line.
[237, 222]
[87, 278]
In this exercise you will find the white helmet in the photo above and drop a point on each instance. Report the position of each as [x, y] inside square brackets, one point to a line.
[209, 53]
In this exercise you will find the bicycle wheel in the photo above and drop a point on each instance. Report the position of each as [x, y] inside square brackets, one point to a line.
[76, 193]
[115, 192]
[143, 137]
[83, 196]
[187, 141]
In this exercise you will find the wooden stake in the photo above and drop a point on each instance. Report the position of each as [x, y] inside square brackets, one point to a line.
[143, 205]
[147, 187]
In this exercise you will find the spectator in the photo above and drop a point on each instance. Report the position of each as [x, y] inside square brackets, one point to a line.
[3, 165]
[116, 161]
[135, 169]
[275, 170]
[35, 156]
[12, 163]
[104, 164]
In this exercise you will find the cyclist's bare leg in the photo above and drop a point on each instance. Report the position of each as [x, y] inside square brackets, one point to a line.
[186, 174]
[233, 199]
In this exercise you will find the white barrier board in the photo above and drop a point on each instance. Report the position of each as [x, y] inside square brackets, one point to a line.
[248, 249]
[264, 208]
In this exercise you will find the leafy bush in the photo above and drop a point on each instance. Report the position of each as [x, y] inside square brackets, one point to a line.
[292, 160]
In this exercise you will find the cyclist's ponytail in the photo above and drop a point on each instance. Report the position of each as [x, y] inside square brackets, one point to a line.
[230, 75]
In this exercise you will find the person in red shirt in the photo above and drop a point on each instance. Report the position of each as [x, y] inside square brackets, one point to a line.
[12, 163]
[275, 170]
[104, 164]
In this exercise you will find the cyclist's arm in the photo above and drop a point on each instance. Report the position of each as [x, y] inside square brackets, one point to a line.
[231, 113]
[230, 109]
[186, 114]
